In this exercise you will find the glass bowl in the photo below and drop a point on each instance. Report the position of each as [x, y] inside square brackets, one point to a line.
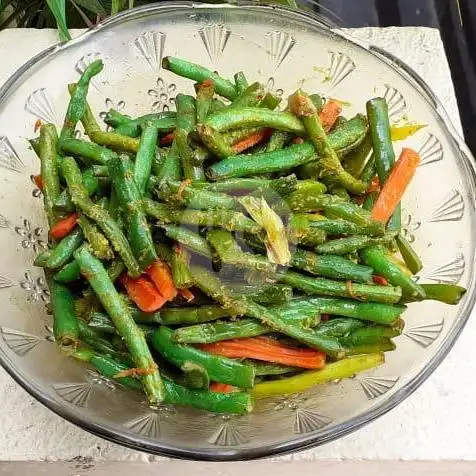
[285, 49]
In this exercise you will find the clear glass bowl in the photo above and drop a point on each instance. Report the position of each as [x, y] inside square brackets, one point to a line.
[284, 49]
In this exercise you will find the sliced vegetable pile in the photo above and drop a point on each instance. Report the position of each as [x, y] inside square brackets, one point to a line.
[228, 250]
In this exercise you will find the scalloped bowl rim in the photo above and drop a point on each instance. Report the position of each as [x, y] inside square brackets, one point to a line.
[307, 441]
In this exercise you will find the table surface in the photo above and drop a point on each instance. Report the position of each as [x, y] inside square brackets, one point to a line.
[434, 423]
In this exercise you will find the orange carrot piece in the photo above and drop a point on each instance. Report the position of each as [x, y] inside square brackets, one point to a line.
[167, 139]
[374, 185]
[398, 180]
[63, 227]
[380, 280]
[187, 294]
[262, 348]
[218, 387]
[143, 292]
[38, 181]
[329, 114]
[251, 140]
[161, 276]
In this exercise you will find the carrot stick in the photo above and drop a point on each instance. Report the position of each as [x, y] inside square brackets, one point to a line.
[218, 387]
[251, 140]
[379, 280]
[63, 227]
[262, 348]
[398, 180]
[187, 294]
[143, 292]
[38, 181]
[167, 139]
[161, 276]
[329, 114]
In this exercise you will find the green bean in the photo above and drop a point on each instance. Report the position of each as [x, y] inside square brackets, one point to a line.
[49, 171]
[88, 120]
[330, 266]
[379, 313]
[115, 141]
[331, 227]
[194, 198]
[180, 268]
[339, 327]
[124, 125]
[228, 219]
[250, 97]
[241, 83]
[88, 150]
[282, 186]
[377, 112]
[145, 156]
[300, 231]
[214, 141]
[190, 170]
[217, 105]
[327, 287]
[212, 286]
[94, 339]
[277, 140]
[270, 101]
[107, 366]
[42, 259]
[77, 103]
[370, 335]
[64, 250]
[101, 322]
[194, 315]
[186, 112]
[265, 368]
[232, 403]
[262, 163]
[220, 369]
[343, 139]
[68, 273]
[100, 216]
[356, 161]
[230, 253]
[91, 183]
[233, 118]
[336, 370]
[447, 293]
[344, 246]
[412, 260]
[65, 322]
[205, 92]
[219, 330]
[268, 294]
[192, 241]
[374, 256]
[224, 330]
[199, 74]
[128, 195]
[194, 376]
[171, 167]
[99, 243]
[94, 272]
[382, 345]
[331, 169]
[337, 208]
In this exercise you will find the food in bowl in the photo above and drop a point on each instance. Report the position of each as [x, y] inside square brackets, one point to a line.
[229, 250]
